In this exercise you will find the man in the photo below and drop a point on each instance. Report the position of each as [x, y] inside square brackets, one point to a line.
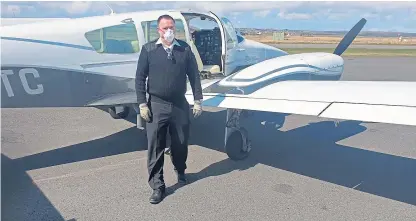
[191, 32]
[166, 62]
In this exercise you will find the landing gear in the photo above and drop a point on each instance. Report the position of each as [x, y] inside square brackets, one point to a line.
[237, 144]
[119, 112]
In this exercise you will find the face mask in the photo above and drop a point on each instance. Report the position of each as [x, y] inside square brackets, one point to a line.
[169, 36]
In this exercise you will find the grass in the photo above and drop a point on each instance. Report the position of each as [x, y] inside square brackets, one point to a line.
[359, 40]
[268, 39]
[356, 51]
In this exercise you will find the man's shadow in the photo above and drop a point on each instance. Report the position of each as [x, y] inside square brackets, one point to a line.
[309, 150]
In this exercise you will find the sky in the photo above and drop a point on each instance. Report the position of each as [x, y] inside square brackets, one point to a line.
[393, 16]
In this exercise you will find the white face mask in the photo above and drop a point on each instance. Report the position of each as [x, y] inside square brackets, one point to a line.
[169, 35]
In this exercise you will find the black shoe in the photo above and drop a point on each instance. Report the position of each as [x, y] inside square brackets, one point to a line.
[157, 196]
[182, 178]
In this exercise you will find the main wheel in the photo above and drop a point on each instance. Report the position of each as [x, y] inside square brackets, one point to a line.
[123, 114]
[236, 144]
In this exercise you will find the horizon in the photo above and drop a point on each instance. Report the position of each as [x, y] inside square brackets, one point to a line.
[294, 16]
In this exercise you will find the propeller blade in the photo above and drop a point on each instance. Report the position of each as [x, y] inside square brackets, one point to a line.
[349, 37]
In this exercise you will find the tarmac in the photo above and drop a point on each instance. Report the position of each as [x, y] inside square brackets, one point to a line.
[80, 164]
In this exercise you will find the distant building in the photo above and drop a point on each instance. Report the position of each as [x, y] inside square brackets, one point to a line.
[278, 36]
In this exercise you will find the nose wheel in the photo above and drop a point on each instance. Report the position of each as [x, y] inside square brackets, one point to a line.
[237, 144]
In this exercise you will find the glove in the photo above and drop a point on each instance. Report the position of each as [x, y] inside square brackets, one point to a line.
[197, 110]
[145, 112]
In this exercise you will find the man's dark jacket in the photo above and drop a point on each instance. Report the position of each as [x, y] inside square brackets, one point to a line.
[167, 78]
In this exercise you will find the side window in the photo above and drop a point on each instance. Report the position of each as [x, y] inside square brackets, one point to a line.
[240, 38]
[230, 34]
[118, 39]
[151, 33]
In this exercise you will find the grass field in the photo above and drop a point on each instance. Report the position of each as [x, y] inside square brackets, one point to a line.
[356, 51]
[268, 39]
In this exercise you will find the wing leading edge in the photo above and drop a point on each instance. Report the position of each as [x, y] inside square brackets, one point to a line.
[384, 102]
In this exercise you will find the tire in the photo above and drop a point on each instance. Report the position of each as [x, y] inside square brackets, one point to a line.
[234, 146]
[121, 115]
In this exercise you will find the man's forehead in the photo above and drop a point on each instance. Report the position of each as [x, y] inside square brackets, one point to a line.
[166, 23]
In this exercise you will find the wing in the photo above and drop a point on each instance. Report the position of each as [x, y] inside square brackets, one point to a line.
[384, 102]
[371, 101]
[130, 97]
[115, 99]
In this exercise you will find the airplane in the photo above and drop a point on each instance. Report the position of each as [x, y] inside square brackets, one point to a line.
[91, 62]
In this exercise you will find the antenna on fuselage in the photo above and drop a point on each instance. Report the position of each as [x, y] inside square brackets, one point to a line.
[112, 11]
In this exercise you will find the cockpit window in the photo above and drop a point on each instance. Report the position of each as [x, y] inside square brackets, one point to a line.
[117, 39]
[240, 38]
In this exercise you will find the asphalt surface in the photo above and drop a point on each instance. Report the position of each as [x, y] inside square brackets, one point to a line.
[80, 164]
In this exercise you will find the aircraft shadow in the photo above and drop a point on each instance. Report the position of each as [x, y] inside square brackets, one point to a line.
[21, 198]
[311, 151]
[125, 141]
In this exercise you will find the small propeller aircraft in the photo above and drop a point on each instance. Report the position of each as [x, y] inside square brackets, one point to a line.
[91, 62]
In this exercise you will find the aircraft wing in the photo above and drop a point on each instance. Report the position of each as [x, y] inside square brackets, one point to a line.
[371, 101]
[131, 98]
[115, 99]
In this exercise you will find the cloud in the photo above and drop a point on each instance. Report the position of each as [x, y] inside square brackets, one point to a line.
[15, 10]
[294, 16]
[70, 7]
[338, 16]
[292, 10]
[333, 12]
[223, 8]
[382, 6]
[388, 17]
[236, 13]
[370, 15]
[11, 10]
[261, 14]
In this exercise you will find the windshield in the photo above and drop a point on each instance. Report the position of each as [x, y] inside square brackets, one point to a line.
[231, 34]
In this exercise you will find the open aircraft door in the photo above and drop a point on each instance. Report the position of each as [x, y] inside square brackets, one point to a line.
[228, 56]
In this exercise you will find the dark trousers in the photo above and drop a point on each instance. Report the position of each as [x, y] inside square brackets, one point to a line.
[175, 119]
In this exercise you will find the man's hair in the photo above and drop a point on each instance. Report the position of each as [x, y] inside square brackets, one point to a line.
[165, 17]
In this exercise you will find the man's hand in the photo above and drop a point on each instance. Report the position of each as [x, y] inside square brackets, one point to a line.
[197, 110]
[145, 112]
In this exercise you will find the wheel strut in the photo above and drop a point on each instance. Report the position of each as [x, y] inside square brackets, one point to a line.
[237, 144]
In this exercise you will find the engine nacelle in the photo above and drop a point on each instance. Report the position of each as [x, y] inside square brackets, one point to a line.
[305, 66]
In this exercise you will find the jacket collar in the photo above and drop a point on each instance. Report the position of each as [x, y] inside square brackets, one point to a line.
[159, 41]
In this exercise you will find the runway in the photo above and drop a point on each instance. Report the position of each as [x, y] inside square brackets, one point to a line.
[80, 164]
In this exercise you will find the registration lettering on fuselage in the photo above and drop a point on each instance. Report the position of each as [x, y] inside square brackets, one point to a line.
[23, 74]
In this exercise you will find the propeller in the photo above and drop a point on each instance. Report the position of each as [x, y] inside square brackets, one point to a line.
[349, 37]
